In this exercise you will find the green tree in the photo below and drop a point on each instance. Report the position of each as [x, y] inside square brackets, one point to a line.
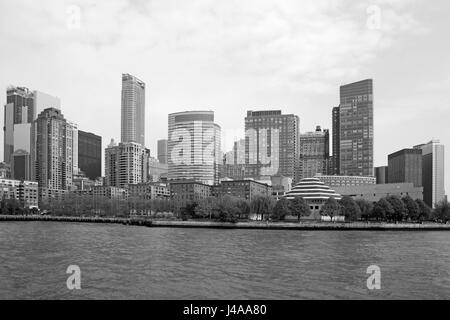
[281, 210]
[366, 208]
[243, 208]
[350, 208]
[442, 211]
[424, 210]
[398, 207]
[331, 208]
[299, 208]
[382, 209]
[188, 211]
[412, 208]
[262, 205]
[228, 210]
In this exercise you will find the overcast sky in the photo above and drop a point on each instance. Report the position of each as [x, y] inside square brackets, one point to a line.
[232, 56]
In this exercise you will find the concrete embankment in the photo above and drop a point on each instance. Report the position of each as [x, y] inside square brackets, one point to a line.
[255, 225]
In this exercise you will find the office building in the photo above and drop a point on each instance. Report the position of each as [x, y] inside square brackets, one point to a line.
[190, 190]
[194, 148]
[133, 110]
[126, 163]
[52, 150]
[382, 174]
[157, 171]
[21, 165]
[162, 151]
[433, 163]
[25, 192]
[90, 154]
[272, 144]
[314, 153]
[405, 166]
[353, 130]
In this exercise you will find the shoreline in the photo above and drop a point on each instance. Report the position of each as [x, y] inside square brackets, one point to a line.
[248, 225]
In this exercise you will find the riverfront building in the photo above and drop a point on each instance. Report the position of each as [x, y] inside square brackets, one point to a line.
[245, 189]
[190, 190]
[433, 163]
[314, 153]
[377, 191]
[353, 130]
[194, 147]
[25, 192]
[315, 193]
[148, 191]
[272, 144]
[406, 166]
[133, 110]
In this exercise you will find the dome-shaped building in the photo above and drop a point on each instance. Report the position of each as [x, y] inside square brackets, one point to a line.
[315, 193]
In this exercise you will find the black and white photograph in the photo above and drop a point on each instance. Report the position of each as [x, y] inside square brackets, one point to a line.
[219, 156]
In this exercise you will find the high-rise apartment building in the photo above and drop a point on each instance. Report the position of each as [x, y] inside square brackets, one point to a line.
[126, 163]
[52, 150]
[335, 159]
[405, 166]
[353, 130]
[272, 144]
[90, 154]
[314, 153]
[433, 163]
[133, 110]
[194, 147]
[162, 151]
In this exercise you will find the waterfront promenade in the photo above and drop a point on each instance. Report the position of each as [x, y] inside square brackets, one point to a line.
[259, 225]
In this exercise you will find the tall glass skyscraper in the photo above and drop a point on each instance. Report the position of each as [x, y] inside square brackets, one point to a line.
[133, 110]
[193, 147]
[353, 130]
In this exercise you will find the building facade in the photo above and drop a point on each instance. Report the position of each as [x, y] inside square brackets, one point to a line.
[245, 189]
[90, 154]
[433, 173]
[190, 190]
[272, 144]
[148, 191]
[126, 163]
[405, 166]
[375, 192]
[340, 181]
[194, 147]
[353, 126]
[382, 174]
[162, 151]
[314, 153]
[25, 192]
[52, 150]
[133, 110]
[157, 171]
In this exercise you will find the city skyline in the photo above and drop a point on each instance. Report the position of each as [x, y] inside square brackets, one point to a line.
[201, 85]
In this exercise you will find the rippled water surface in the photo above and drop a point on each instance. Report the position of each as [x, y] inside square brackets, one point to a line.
[123, 262]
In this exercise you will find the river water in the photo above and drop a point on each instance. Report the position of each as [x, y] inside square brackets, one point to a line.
[125, 262]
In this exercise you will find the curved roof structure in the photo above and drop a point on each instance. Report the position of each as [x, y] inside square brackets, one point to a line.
[312, 189]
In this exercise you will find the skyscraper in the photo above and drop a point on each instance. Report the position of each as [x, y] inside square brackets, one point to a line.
[51, 153]
[335, 160]
[405, 166]
[314, 153]
[133, 110]
[382, 174]
[433, 162]
[353, 122]
[194, 147]
[90, 154]
[126, 163]
[272, 144]
[21, 109]
[162, 151]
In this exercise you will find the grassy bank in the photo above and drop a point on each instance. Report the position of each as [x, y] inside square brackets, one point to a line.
[239, 225]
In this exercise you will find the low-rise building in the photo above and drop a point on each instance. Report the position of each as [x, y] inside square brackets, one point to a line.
[346, 181]
[375, 192]
[245, 189]
[148, 191]
[114, 193]
[189, 191]
[25, 192]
